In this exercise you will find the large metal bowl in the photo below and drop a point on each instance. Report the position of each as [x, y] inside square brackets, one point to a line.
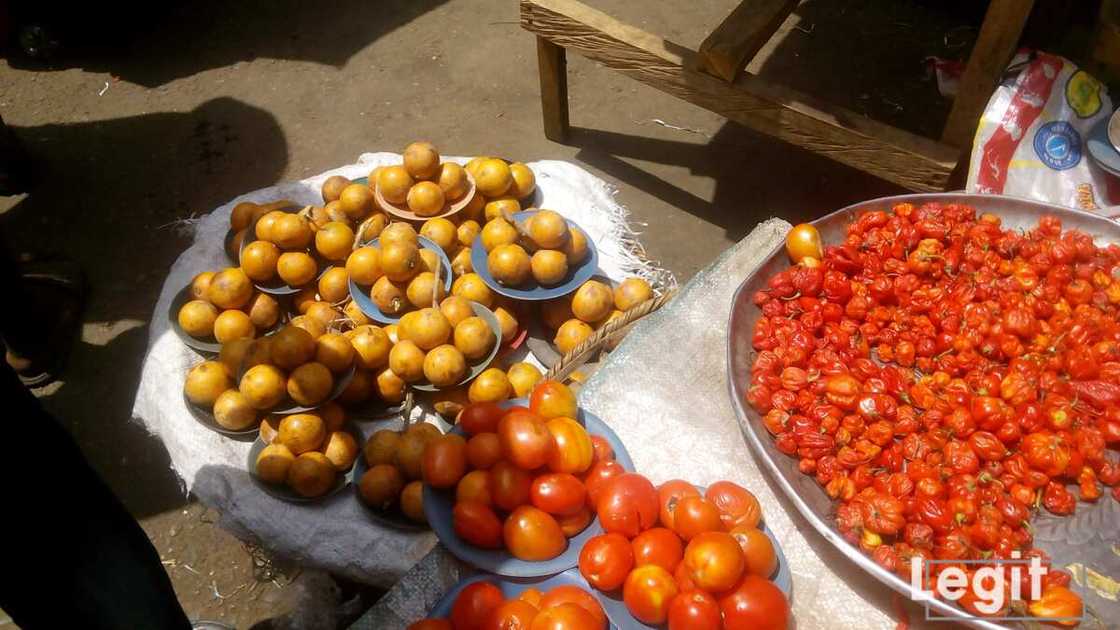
[1083, 539]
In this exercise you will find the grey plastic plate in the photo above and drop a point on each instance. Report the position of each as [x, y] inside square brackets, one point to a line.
[283, 492]
[209, 346]
[276, 286]
[288, 406]
[361, 297]
[390, 518]
[205, 417]
[474, 369]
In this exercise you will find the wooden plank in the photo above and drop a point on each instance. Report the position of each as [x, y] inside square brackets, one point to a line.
[552, 65]
[913, 161]
[729, 48]
[994, 47]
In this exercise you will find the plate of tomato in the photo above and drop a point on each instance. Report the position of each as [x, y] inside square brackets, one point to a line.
[688, 556]
[933, 375]
[515, 499]
[486, 600]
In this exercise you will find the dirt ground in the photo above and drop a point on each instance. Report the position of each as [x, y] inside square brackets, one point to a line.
[174, 111]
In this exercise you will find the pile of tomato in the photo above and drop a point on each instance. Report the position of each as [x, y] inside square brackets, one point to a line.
[943, 379]
[697, 562]
[523, 474]
[481, 606]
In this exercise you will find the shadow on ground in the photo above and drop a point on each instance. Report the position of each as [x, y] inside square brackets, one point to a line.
[756, 177]
[108, 195]
[156, 43]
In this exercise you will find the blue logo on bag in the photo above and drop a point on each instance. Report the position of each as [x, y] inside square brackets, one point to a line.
[1058, 145]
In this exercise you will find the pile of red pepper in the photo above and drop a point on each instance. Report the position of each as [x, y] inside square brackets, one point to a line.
[943, 378]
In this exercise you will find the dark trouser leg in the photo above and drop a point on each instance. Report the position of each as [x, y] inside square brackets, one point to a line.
[74, 558]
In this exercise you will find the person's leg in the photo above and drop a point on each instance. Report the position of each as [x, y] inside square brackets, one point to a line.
[74, 556]
[39, 334]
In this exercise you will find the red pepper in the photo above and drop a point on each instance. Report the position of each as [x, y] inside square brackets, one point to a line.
[1058, 499]
[1087, 485]
[1101, 394]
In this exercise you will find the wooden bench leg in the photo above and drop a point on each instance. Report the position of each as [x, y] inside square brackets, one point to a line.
[994, 47]
[553, 66]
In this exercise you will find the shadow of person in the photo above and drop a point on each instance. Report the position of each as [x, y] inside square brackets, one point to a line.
[155, 44]
[108, 195]
[756, 176]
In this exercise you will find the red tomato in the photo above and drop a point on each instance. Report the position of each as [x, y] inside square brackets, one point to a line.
[525, 439]
[553, 400]
[445, 461]
[659, 546]
[480, 417]
[532, 534]
[483, 450]
[715, 561]
[569, 594]
[606, 560]
[669, 495]
[736, 504]
[565, 617]
[559, 494]
[694, 516]
[575, 523]
[474, 604]
[431, 624]
[596, 479]
[647, 592]
[477, 524]
[602, 448]
[474, 486]
[509, 486]
[683, 577]
[572, 450]
[758, 551]
[694, 610]
[754, 604]
[514, 614]
[628, 505]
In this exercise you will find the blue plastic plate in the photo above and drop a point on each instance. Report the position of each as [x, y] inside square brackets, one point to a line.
[782, 578]
[617, 615]
[283, 492]
[513, 587]
[438, 505]
[1101, 148]
[531, 290]
[365, 302]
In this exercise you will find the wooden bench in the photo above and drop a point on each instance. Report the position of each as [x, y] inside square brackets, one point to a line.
[713, 78]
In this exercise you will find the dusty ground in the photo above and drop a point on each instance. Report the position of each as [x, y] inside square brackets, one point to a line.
[197, 104]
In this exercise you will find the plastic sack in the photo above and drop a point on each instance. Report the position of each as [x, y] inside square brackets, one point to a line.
[1031, 138]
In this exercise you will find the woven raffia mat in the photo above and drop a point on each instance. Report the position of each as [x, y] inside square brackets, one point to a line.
[664, 391]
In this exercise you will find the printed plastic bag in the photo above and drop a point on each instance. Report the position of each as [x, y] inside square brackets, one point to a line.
[1031, 138]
